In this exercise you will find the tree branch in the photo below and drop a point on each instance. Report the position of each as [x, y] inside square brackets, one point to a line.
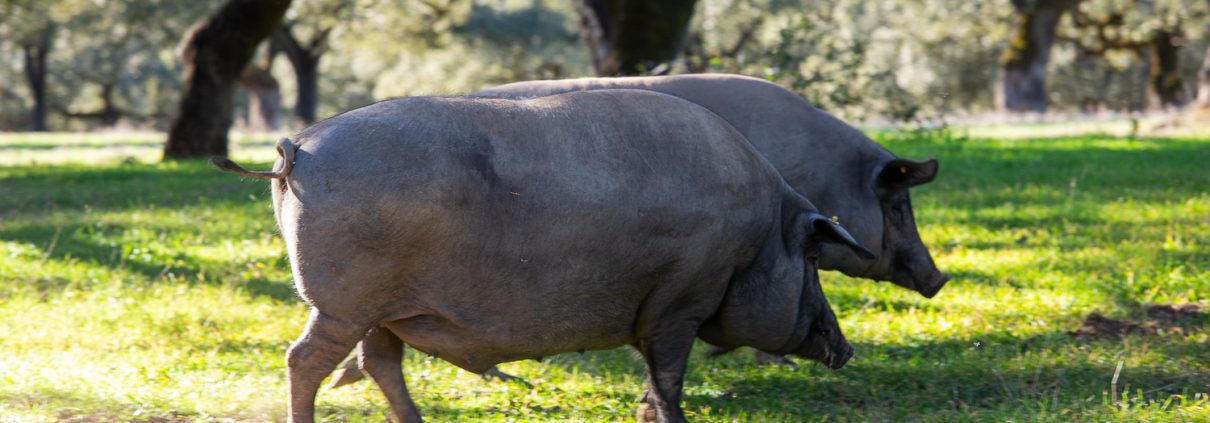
[283, 40]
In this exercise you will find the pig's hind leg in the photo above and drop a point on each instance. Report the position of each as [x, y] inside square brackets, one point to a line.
[323, 343]
[349, 371]
[666, 354]
[380, 358]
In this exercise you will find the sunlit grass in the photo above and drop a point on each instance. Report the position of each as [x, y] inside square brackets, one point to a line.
[136, 290]
[102, 148]
[1023, 127]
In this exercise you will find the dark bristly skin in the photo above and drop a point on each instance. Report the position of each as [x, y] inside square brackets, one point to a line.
[484, 231]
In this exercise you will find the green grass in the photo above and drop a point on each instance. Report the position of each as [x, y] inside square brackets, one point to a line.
[134, 290]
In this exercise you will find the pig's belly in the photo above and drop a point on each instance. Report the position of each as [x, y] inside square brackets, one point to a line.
[478, 347]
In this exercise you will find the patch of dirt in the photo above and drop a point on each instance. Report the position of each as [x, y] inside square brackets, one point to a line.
[1173, 312]
[1169, 321]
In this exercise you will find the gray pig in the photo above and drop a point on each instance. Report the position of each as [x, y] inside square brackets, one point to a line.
[485, 231]
[834, 165]
[838, 168]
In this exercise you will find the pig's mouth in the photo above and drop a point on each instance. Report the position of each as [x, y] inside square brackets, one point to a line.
[930, 289]
[927, 284]
[836, 360]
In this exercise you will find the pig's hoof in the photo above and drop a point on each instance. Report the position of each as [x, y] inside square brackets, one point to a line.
[646, 413]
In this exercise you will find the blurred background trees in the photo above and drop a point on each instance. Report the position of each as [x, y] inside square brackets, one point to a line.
[215, 52]
[88, 64]
[633, 37]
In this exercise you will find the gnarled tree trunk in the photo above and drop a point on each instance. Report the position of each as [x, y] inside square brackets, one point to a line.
[631, 37]
[215, 52]
[1022, 85]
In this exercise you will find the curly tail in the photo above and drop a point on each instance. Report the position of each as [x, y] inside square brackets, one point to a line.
[284, 147]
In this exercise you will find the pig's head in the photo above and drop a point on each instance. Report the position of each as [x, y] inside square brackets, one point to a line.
[889, 229]
[777, 304]
[824, 341]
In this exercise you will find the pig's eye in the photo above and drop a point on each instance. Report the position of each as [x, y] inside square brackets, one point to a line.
[825, 331]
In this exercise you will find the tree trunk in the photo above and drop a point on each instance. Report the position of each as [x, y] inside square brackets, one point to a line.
[215, 52]
[35, 74]
[109, 114]
[1165, 77]
[264, 99]
[1203, 80]
[1022, 85]
[305, 61]
[632, 37]
[306, 75]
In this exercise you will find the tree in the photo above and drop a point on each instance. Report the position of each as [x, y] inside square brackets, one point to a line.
[1165, 77]
[215, 52]
[1022, 84]
[630, 37]
[34, 52]
[107, 63]
[264, 93]
[304, 39]
[304, 58]
[1147, 30]
[32, 28]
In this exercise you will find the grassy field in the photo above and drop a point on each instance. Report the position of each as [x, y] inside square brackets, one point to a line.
[139, 291]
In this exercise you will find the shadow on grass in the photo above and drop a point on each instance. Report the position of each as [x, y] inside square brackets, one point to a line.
[73, 245]
[36, 190]
[33, 192]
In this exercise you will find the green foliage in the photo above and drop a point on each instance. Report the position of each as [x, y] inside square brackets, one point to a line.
[389, 48]
[139, 291]
[861, 59]
[923, 59]
[378, 49]
[127, 45]
[1102, 60]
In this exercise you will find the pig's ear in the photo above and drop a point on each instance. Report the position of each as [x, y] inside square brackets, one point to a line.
[907, 173]
[823, 229]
